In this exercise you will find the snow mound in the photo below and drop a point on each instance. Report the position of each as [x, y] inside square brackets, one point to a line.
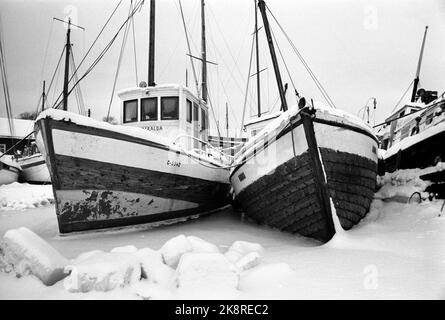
[153, 267]
[124, 249]
[240, 249]
[267, 277]
[403, 183]
[208, 271]
[174, 248]
[201, 246]
[19, 196]
[27, 253]
[102, 271]
[249, 261]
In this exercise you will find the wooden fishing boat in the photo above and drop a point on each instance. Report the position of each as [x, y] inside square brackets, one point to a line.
[306, 168]
[156, 167]
[34, 169]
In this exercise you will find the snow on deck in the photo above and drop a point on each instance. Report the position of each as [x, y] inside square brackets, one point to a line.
[396, 252]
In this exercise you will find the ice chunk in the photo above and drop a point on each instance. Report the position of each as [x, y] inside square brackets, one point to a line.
[83, 256]
[153, 267]
[174, 248]
[201, 246]
[241, 248]
[125, 249]
[102, 271]
[249, 261]
[30, 254]
[210, 271]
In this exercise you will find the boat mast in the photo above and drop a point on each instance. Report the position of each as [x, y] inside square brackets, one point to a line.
[43, 96]
[257, 62]
[67, 66]
[262, 6]
[416, 79]
[151, 48]
[204, 54]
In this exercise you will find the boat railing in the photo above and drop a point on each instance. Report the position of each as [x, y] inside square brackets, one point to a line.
[210, 151]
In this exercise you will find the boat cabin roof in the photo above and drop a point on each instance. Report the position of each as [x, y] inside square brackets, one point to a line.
[407, 108]
[159, 90]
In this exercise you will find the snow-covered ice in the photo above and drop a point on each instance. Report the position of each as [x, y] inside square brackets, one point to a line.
[102, 271]
[27, 253]
[16, 196]
[402, 184]
[396, 252]
[207, 272]
[240, 249]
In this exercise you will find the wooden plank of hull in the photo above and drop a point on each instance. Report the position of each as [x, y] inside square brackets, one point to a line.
[420, 155]
[93, 194]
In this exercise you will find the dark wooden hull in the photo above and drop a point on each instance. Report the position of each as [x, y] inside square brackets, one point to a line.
[297, 195]
[292, 204]
[92, 194]
[420, 155]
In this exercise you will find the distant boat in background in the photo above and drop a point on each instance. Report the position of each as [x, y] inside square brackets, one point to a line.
[414, 135]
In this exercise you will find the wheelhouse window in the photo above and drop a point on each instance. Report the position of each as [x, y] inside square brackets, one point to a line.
[130, 111]
[170, 108]
[189, 111]
[149, 109]
[195, 112]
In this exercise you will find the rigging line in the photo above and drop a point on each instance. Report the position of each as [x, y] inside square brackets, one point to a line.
[401, 98]
[103, 52]
[228, 100]
[95, 40]
[221, 56]
[5, 85]
[285, 64]
[55, 71]
[311, 73]
[226, 43]
[213, 113]
[190, 52]
[134, 51]
[55, 84]
[78, 92]
[119, 62]
[46, 50]
[247, 87]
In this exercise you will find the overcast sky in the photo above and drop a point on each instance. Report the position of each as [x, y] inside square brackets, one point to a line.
[357, 48]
